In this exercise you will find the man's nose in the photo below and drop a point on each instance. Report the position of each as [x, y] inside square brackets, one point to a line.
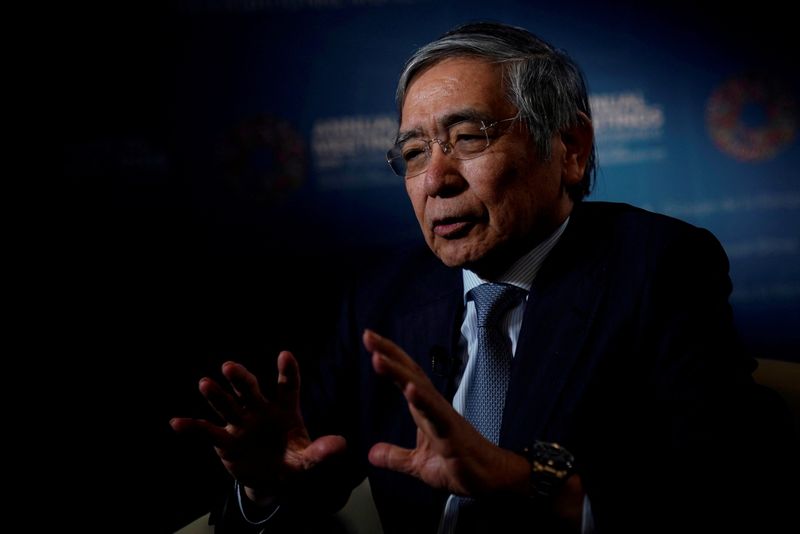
[442, 177]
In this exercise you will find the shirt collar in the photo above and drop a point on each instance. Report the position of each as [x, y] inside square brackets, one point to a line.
[523, 271]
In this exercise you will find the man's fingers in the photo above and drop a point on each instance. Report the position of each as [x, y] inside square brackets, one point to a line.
[244, 382]
[204, 430]
[397, 372]
[392, 457]
[390, 360]
[185, 425]
[377, 343]
[434, 414]
[323, 448]
[221, 401]
[288, 381]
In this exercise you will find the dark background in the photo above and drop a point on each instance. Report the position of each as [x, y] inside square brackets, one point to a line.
[178, 245]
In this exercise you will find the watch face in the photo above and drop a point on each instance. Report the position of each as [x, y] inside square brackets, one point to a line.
[552, 458]
[551, 465]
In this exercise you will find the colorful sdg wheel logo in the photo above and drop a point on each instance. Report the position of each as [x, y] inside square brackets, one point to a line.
[751, 118]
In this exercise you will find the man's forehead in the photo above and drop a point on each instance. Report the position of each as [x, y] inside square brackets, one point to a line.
[451, 90]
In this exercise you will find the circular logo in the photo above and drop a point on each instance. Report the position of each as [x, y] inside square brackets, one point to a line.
[264, 157]
[751, 119]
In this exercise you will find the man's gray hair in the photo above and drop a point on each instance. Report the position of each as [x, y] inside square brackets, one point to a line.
[544, 83]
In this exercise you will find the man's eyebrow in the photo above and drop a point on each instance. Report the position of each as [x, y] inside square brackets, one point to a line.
[402, 137]
[446, 121]
[468, 114]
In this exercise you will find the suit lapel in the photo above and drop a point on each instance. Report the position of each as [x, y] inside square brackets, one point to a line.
[438, 299]
[560, 309]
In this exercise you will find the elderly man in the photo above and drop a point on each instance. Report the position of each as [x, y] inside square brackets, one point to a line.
[561, 365]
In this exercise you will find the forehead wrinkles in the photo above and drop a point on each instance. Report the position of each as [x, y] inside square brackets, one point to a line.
[435, 89]
[424, 101]
[450, 84]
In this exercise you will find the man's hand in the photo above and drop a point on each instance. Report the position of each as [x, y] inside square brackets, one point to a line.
[263, 443]
[450, 453]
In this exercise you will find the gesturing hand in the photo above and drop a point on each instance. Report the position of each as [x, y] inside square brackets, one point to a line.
[450, 453]
[263, 442]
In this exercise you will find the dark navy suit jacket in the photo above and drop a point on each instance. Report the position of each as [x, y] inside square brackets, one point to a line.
[627, 356]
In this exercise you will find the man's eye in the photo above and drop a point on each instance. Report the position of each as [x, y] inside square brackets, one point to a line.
[412, 153]
[469, 141]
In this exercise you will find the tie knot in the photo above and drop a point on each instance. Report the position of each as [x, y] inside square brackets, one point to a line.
[493, 300]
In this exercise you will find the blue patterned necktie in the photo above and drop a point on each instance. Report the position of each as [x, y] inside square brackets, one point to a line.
[486, 391]
[486, 395]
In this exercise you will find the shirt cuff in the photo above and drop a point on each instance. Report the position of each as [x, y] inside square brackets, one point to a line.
[587, 520]
[270, 510]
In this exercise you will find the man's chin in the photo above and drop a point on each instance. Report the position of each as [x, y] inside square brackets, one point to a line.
[458, 258]
[486, 264]
[453, 258]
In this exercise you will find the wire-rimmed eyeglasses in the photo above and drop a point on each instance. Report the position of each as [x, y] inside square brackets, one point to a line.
[466, 139]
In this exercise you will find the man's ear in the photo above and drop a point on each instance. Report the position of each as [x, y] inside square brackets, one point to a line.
[577, 141]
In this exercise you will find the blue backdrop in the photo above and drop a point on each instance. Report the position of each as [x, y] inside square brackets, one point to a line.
[696, 117]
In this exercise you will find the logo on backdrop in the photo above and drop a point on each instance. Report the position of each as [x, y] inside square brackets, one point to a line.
[751, 118]
[629, 129]
[264, 156]
[349, 151]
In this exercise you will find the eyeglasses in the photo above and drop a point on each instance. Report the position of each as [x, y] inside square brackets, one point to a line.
[466, 139]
